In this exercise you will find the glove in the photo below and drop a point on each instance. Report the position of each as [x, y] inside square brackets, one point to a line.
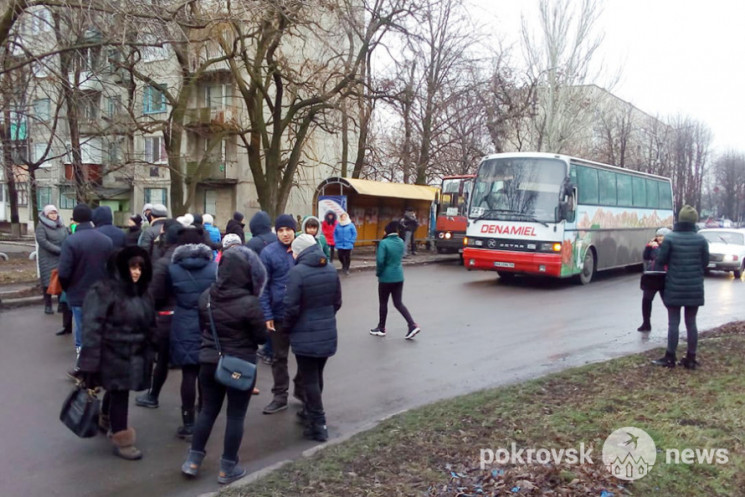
[90, 379]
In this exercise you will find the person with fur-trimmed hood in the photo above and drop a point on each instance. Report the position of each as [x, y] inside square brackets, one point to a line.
[116, 352]
[312, 226]
[239, 324]
[190, 273]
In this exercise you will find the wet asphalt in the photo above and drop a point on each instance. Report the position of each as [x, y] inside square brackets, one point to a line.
[477, 333]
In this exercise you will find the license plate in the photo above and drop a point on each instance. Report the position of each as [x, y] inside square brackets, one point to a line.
[504, 264]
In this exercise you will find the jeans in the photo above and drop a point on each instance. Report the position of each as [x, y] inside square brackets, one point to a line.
[213, 395]
[280, 372]
[345, 257]
[407, 242]
[396, 290]
[311, 371]
[673, 316]
[116, 404]
[77, 314]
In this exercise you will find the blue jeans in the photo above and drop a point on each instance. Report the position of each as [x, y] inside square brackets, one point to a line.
[77, 314]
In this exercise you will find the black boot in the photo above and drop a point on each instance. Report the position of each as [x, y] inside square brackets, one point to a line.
[646, 316]
[48, 309]
[317, 432]
[689, 361]
[187, 429]
[668, 361]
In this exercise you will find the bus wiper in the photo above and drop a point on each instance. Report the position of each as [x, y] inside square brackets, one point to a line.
[528, 217]
[490, 211]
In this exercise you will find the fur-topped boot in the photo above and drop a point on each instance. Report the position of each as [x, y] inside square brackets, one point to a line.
[124, 445]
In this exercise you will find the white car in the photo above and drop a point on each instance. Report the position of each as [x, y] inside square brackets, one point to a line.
[726, 249]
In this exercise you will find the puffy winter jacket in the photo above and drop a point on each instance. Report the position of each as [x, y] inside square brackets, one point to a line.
[236, 311]
[49, 236]
[213, 231]
[313, 297]
[149, 235]
[686, 255]
[328, 225]
[261, 232]
[278, 261]
[388, 257]
[102, 219]
[345, 236]
[320, 237]
[117, 318]
[83, 262]
[191, 272]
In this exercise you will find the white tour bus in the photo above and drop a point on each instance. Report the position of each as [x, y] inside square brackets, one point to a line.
[553, 215]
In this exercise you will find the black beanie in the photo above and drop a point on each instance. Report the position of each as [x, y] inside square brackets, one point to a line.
[197, 219]
[392, 227]
[137, 219]
[82, 213]
[238, 216]
[285, 221]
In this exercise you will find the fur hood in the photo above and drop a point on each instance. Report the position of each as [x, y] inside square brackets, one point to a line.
[240, 267]
[192, 251]
[119, 269]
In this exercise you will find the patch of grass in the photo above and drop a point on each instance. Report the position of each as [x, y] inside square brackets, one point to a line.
[435, 450]
[17, 270]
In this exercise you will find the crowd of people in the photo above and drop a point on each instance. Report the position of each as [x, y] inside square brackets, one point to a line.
[158, 294]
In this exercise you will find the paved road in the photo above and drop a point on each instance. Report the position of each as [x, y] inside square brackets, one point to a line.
[478, 333]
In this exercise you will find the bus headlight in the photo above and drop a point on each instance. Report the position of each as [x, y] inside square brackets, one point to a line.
[448, 235]
[441, 235]
[556, 247]
[465, 241]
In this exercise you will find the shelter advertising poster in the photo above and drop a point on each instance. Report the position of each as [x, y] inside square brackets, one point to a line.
[336, 203]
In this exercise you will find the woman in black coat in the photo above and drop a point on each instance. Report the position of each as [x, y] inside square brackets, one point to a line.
[312, 300]
[116, 352]
[232, 303]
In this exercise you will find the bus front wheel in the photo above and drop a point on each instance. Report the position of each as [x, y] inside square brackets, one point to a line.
[588, 268]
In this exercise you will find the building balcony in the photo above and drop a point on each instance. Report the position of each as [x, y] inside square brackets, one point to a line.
[202, 117]
[92, 173]
[87, 80]
[215, 170]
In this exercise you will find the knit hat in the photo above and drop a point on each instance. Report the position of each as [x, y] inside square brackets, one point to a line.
[82, 213]
[231, 239]
[188, 219]
[47, 209]
[137, 219]
[238, 216]
[302, 242]
[662, 232]
[687, 214]
[159, 210]
[392, 227]
[285, 221]
[208, 219]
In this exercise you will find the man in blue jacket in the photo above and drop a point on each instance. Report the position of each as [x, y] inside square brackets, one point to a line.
[103, 219]
[277, 259]
[82, 263]
[261, 232]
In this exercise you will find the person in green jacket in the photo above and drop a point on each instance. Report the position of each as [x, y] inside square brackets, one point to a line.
[390, 275]
[312, 226]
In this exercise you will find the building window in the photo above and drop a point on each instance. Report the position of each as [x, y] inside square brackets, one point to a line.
[113, 152]
[154, 100]
[38, 151]
[154, 172]
[43, 196]
[66, 197]
[154, 51]
[113, 106]
[90, 104]
[42, 21]
[217, 96]
[155, 196]
[42, 109]
[155, 150]
[22, 194]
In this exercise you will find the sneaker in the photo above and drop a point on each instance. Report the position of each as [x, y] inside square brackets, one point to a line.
[667, 361]
[147, 400]
[413, 332]
[378, 332]
[275, 406]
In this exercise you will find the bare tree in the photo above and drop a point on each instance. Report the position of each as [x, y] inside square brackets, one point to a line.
[729, 172]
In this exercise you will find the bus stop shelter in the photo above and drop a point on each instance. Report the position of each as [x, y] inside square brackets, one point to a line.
[373, 204]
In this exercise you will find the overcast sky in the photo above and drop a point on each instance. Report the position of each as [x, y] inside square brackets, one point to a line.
[676, 56]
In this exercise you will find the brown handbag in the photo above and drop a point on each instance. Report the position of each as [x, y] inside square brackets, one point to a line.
[54, 288]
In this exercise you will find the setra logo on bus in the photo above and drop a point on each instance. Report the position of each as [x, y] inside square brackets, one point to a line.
[508, 230]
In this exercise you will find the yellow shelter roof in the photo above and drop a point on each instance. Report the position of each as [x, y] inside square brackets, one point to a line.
[385, 189]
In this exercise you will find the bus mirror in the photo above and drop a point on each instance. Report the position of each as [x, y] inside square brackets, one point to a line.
[567, 203]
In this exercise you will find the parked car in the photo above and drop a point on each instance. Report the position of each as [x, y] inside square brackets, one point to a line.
[726, 249]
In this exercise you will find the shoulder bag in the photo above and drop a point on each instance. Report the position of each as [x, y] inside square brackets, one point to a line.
[54, 288]
[232, 371]
[80, 411]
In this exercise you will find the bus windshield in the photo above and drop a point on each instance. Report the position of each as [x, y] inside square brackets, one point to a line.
[515, 189]
[454, 196]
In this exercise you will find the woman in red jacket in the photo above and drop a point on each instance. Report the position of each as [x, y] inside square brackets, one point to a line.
[327, 226]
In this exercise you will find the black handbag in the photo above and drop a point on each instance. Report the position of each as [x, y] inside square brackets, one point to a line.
[233, 372]
[80, 411]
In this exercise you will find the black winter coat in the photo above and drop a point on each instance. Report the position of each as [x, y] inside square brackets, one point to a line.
[163, 299]
[653, 277]
[686, 255]
[236, 310]
[236, 227]
[312, 299]
[83, 262]
[132, 236]
[190, 273]
[117, 315]
[102, 219]
[261, 232]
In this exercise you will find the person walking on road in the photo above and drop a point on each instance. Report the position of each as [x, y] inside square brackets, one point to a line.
[686, 255]
[117, 314]
[312, 300]
[277, 259]
[240, 328]
[82, 263]
[50, 235]
[190, 273]
[653, 278]
[390, 273]
[345, 236]
[327, 227]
